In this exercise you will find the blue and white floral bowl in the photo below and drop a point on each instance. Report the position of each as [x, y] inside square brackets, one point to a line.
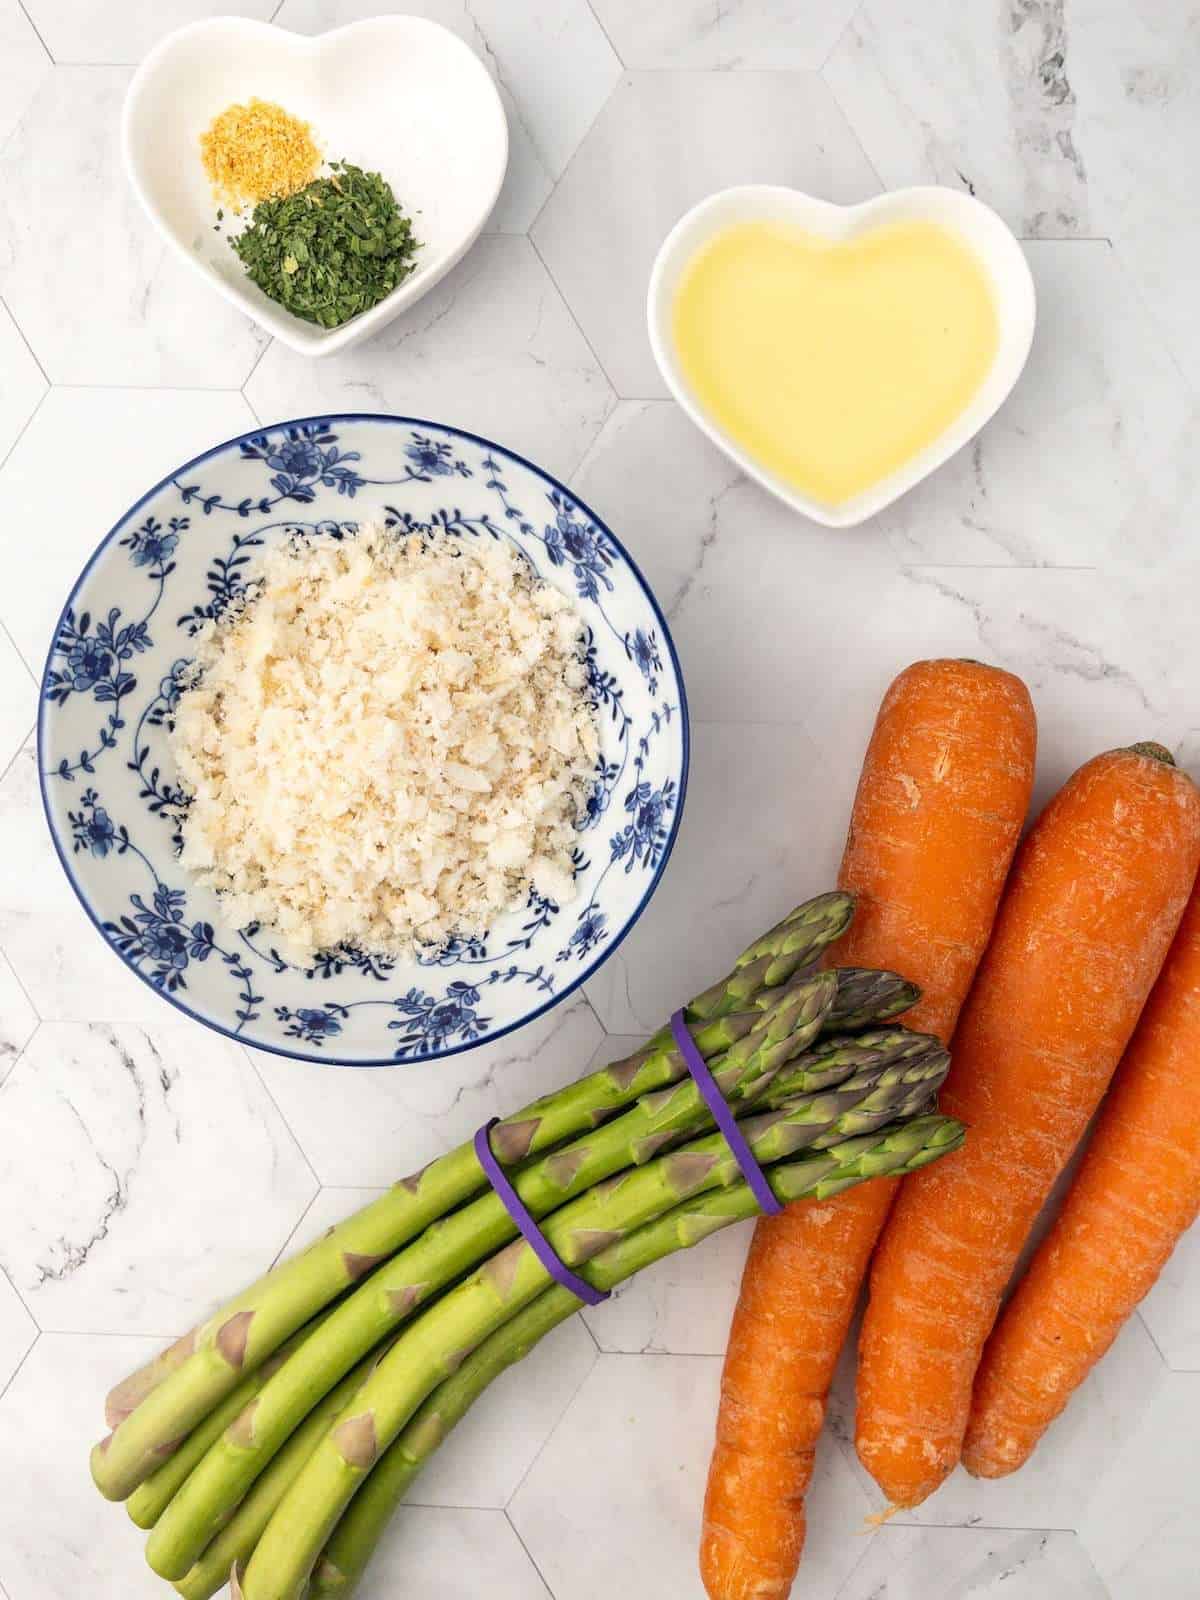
[113, 676]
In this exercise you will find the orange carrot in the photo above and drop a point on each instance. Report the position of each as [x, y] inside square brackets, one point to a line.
[1095, 897]
[783, 1349]
[943, 794]
[1136, 1192]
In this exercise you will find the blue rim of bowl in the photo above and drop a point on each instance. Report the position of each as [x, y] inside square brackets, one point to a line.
[684, 718]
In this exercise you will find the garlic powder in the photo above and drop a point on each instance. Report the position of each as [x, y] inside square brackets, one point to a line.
[388, 743]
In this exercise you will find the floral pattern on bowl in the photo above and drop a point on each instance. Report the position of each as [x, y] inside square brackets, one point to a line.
[113, 677]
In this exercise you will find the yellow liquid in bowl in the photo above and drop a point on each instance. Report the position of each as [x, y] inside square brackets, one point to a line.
[834, 363]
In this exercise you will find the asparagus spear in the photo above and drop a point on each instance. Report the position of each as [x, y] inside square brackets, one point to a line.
[865, 995]
[834, 1058]
[444, 1253]
[245, 1331]
[151, 1498]
[233, 1543]
[439, 1341]
[909, 1066]
[358, 1532]
[793, 943]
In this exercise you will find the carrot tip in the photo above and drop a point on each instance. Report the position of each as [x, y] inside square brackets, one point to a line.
[878, 1518]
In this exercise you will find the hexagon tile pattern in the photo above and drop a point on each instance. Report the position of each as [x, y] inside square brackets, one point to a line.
[67, 215]
[663, 141]
[548, 111]
[148, 1167]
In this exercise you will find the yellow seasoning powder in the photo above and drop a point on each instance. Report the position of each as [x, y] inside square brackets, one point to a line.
[258, 152]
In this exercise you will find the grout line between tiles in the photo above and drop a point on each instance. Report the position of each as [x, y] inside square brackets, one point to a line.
[586, 134]
[155, 388]
[12, 1378]
[257, 360]
[16, 755]
[871, 1531]
[558, 1421]
[617, 396]
[596, 1015]
[24, 338]
[36, 33]
[7, 456]
[975, 1527]
[113, 1333]
[528, 1553]
[37, 1015]
[588, 1329]
[837, 43]
[611, 45]
[262, 1082]
[1149, 1332]
[19, 656]
[296, 1226]
[1153, 316]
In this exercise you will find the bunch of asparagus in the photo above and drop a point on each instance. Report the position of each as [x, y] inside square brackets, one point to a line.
[268, 1447]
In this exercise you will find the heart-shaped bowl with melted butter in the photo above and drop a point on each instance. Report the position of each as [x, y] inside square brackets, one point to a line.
[840, 354]
[397, 95]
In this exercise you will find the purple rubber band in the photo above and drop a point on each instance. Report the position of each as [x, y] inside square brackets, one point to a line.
[524, 1220]
[724, 1118]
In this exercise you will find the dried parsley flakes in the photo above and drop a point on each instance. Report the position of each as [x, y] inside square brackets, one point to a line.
[333, 249]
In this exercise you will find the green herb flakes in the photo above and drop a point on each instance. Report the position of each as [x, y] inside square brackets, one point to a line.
[331, 250]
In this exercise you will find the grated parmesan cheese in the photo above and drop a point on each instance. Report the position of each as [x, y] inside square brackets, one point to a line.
[387, 744]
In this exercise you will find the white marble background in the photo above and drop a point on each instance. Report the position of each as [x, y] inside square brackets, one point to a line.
[147, 1166]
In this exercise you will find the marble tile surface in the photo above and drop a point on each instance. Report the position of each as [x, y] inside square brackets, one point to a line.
[949, 1563]
[495, 327]
[147, 1167]
[1140, 1529]
[173, 1173]
[92, 31]
[45, 934]
[18, 1019]
[17, 1331]
[24, 62]
[1171, 1311]
[88, 279]
[18, 699]
[662, 142]
[23, 384]
[727, 35]
[631, 1454]
[1071, 119]
[60, 1540]
[548, 111]
[381, 1125]
[442, 1552]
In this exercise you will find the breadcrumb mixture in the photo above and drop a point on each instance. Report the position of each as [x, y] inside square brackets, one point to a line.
[388, 743]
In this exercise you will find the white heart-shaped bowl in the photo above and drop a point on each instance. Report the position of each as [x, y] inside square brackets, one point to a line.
[397, 95]
[1002, 258]
[110, 786]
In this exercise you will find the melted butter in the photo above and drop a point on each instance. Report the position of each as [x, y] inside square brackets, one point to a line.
[833, 364]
